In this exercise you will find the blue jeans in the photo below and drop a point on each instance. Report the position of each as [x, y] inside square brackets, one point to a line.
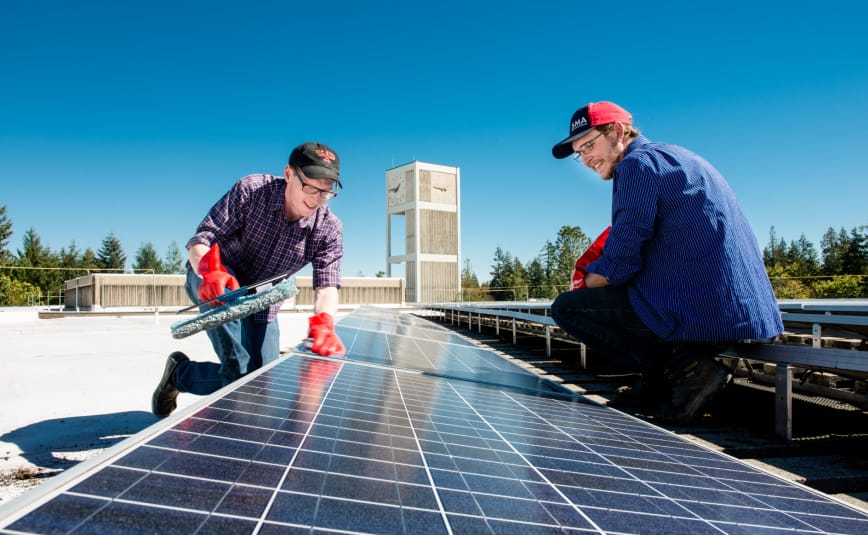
[604, 320]
[242, 346]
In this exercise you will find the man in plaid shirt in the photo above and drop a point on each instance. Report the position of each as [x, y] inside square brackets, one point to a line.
[264, 226]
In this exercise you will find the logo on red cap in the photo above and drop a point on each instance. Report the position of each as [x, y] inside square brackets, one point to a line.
[587, 117]
[578, 123]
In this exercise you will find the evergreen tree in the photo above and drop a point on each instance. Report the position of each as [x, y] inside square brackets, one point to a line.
[111, 255]
[569, 246]
[6, 257]
[89, 261]
[41, 259]
[501, 275]
[468, 277]
[802, 259]
[558, 259]
[33, 252]
[147, 259]
[538, 283]
[70, 258]
[174, 262]
[775, 253]
[548, 259]
[768, 253]
[854, 260]
[470, 290]
[518, 281]
[834, 246]
[844, 257]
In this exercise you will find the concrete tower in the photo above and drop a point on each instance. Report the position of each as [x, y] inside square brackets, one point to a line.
[427, 197]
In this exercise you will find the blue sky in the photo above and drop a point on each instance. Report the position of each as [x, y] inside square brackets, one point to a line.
[135, 117]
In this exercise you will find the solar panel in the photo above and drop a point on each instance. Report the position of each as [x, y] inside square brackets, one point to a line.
[411, 343]
[357, 445]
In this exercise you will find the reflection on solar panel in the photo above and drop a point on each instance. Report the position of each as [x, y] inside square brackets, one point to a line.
[371, 338]
[375, 443]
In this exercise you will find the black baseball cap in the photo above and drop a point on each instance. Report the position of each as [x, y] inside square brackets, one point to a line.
[317, 161]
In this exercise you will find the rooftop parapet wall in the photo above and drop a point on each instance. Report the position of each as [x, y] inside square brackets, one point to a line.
[102, 291]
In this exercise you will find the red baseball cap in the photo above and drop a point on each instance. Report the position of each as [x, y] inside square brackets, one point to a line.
[586, 118]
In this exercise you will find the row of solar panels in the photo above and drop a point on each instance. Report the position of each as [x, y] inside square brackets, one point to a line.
[415, 431]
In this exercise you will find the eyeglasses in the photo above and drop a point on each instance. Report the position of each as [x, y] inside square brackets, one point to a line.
[311, 189]
[586, 147]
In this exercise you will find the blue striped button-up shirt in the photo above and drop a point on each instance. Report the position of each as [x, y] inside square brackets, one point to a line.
[681, 242]
[257, 241]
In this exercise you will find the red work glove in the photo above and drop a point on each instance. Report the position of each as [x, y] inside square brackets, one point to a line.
[593, 252]
[215, 279]
[321, 331]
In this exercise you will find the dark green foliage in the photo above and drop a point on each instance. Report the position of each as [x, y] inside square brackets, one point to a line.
[147, 260]
[36, 273]
[174, 263]
[501, 276]
[111, 256]
[561, 256]
[6, 256]
[545, 276]
[797, 272]
[470, 289]
[42, 262]
[537, 281]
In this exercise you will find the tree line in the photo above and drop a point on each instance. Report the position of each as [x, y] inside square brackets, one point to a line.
[542, 277]
[796, 269]
[36, 272]
[840, 269]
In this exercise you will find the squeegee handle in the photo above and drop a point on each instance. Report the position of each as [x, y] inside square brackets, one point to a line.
[227, 296]
[234, 294]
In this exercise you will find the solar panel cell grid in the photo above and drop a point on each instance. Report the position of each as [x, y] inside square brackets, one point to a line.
[343, 446]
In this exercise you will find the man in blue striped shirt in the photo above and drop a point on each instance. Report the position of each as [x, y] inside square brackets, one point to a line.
[265, 226]
[680, 275]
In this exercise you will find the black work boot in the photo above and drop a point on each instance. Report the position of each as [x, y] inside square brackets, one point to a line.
[694, 385]
[164, 400]
[649, 389]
